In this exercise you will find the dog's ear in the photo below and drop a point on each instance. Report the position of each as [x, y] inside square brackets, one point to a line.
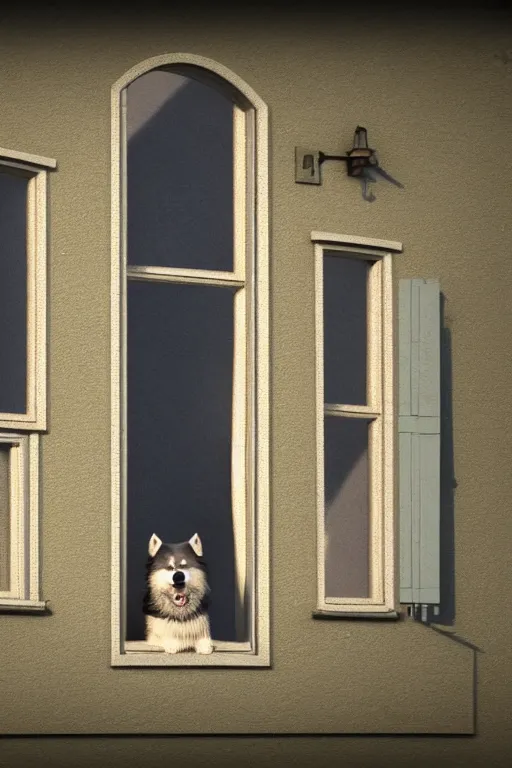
[154, 545]
[195, 543]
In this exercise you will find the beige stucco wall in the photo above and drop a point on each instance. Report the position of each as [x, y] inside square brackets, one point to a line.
[435, 97]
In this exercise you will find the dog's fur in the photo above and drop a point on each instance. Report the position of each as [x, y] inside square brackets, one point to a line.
[177, 613]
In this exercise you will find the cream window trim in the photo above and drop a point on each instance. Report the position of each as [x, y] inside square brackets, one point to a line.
[8, 605]
[366, 243]
[225, 654]
[186, 276]
[28, 159]
[34, 168]
[24, 591]
[382, 413]
[250, 455]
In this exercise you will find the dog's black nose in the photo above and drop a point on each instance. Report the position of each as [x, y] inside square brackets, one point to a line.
[178, 578]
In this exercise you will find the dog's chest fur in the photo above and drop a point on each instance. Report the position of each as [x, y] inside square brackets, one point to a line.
[175, 636]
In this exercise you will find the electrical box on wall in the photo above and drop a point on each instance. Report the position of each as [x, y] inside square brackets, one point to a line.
[307, 166]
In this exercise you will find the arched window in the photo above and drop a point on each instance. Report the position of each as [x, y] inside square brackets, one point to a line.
[190, 346]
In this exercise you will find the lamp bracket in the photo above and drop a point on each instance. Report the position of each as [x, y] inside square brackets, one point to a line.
[309, 162]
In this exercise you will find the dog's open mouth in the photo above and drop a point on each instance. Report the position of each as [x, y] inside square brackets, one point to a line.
[180, 599]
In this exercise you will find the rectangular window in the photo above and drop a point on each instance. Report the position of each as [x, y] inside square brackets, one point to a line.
[190, 355]
[355, 426]
[23, 181]
[19, 522]
[23, 290]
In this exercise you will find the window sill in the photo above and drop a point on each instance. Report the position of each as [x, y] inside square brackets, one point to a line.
[141, 646]
[225, 654]
[369, 615]
[12, 605]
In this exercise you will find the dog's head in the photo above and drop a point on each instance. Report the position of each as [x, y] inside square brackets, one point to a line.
[176, 576]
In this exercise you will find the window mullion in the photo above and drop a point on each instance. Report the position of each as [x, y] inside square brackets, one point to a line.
[17, 503]
[239, 192]
[32, 351]
[350, 411]
[238, 460]
[376, 508]
[187, 276]
[374, 339]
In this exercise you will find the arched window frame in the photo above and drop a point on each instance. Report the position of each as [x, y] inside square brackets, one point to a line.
[251, 368]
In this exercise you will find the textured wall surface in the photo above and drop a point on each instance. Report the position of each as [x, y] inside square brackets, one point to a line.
[435, 95]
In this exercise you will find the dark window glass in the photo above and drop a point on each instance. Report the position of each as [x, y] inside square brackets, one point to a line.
[347, 565]
[180, 173]
[180, 370]
[345, 330]
[13, 293]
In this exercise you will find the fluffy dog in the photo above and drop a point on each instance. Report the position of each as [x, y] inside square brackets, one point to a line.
[176, 597]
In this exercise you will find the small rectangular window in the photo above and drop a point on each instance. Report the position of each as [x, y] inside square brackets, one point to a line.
[23, 180]
[19, 521]
[355, 426]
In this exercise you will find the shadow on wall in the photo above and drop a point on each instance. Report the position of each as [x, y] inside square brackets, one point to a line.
[180, 337]
[448, 485]
[448, 482]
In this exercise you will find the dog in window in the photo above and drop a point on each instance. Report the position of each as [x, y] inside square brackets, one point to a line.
[176, 599]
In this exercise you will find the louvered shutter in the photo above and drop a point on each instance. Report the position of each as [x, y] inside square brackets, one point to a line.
[419, 441]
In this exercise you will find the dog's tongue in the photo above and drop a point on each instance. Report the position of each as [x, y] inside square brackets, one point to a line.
[180, 600]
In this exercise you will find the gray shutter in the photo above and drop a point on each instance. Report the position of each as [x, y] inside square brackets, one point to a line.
[419, 440]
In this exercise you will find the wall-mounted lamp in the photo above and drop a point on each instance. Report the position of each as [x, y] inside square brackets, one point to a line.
[361, 163]
[359, 157]
[308, 162]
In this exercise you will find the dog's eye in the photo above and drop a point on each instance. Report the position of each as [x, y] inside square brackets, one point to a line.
[170, 568]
